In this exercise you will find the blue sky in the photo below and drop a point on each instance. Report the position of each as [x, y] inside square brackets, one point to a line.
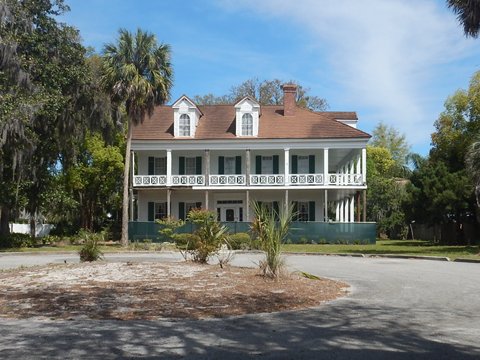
[394, 61]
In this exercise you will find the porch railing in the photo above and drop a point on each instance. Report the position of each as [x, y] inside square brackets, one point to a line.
[226, 180]
[267, 179]
[150, 180]
[306, 179]
[345, 179]
[188, 180]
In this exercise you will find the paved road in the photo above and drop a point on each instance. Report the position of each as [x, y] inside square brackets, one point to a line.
[398, 309]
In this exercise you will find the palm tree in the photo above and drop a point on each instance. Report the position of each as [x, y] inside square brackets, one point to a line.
[473, 166]
[138, 75]
[468, 14]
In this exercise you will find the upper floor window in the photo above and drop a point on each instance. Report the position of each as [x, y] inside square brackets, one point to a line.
[184, 125]
[230, 164]
[247, 125]
[160, 167]
[303, 165]
[267, 164]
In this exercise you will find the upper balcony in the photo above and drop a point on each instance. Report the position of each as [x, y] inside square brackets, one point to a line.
[226, 169]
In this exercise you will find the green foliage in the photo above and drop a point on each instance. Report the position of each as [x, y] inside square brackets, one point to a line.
[271, 234]
[90, 250]
[389, 138]
[240, 241]
[208, 237]
[15, 240]
[168, 229]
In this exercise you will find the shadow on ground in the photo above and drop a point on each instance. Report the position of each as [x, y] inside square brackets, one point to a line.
[340, 330]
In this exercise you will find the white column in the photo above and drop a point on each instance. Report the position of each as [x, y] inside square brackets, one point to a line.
[287, 166]
[133, 165]
[206, 200]
[325, 166]
[342, 212]
[352, 209]
[286, 200]
[169, 167]
[247, 167]
[247, 206]
[326, 206]
[359, 164]
[337, 211]
[364, 165]
[207, 168]
[169, 193]
[345, 210]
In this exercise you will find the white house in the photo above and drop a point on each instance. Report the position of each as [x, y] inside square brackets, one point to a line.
[221, 157]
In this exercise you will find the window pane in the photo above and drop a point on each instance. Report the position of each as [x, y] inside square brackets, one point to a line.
[160, 166]
[190, 166]
[247, 125]
[303, 165]
[267, 164]
[160, 210]
[229, 165]
[184, 125]
[303, 211]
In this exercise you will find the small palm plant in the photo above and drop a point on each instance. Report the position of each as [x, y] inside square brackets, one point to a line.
[271, 234]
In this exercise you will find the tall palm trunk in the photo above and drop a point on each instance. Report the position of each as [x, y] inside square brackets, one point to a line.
[126, 172]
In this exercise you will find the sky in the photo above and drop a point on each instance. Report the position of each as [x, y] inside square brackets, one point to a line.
[392, 61]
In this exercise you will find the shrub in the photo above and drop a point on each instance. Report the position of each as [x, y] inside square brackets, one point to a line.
[15, 240]
[240, 241]
[208, 237]
[272, 235]
[90, 250]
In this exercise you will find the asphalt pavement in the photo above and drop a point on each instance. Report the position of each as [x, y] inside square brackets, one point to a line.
[396, 309]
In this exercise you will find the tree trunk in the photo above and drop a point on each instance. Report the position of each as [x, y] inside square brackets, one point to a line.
[4, 225]
[32, 227]
[477, 196]
[126, 173]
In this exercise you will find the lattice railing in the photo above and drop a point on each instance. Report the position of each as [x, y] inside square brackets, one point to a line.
[150, 180]
[306, 179]
[345, 179]
[267, 179]
[226, 180]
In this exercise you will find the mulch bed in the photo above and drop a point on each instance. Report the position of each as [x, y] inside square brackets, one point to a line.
[148, 291]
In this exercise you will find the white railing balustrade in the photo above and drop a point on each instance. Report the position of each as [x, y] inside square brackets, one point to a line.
[188, 180]
[226, 180]
[267, 179]
[306, 179]
[345, 179]
[150, 180]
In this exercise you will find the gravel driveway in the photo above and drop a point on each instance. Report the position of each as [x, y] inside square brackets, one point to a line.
[398, 309]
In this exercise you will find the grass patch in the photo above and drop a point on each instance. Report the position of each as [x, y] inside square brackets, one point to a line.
[397, 247]
[61, 248]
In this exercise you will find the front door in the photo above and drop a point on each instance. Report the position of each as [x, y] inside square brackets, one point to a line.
[229, 215]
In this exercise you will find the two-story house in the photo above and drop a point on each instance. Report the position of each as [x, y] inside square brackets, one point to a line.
[221, 157]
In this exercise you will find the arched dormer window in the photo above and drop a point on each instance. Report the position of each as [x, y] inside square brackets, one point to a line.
[247, 124]
[184, 125]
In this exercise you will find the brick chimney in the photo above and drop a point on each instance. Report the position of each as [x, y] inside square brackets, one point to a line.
[289, 99]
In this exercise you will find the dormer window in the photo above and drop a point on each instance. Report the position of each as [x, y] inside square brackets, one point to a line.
[184, 125]
[186, 116]
[247, 124]
[247, 113]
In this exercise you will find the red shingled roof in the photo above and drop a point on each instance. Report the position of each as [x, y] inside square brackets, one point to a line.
[218, 122]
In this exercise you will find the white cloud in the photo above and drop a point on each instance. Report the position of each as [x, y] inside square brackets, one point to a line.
[384, 55]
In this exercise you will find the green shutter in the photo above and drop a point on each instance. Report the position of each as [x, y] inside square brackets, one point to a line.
[198, 165]
[181, 210]
[275, 209]
[151, 165]
[151, 211]
[294, 164]
[295, 211]
[238, 165]
[311, 164]
[275, 164]
[221, 165]
[311, 211]
[258, 164]
[181, 165]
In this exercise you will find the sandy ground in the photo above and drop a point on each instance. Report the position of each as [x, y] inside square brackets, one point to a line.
[148, 291]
